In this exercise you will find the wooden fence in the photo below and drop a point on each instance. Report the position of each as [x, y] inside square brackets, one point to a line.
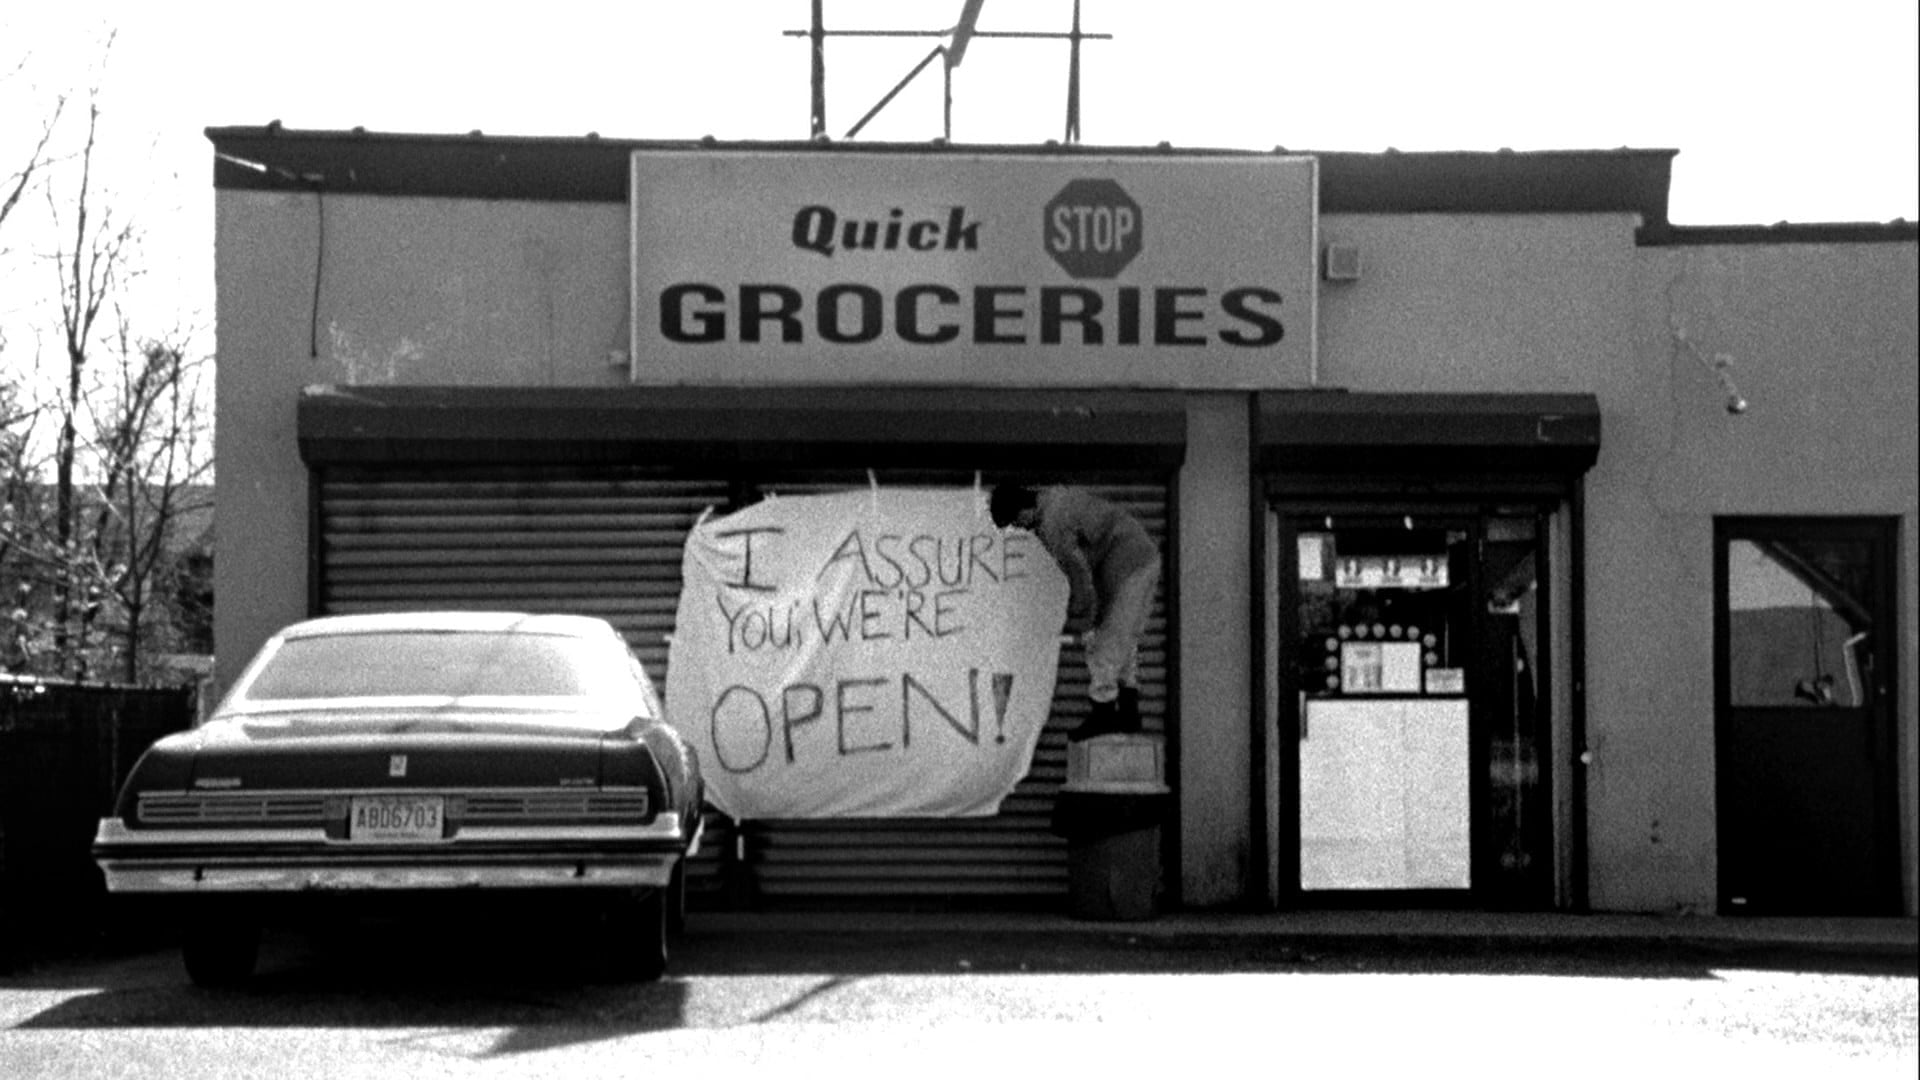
[63, 752]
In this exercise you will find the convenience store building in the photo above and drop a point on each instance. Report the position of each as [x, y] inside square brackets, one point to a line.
[1524, 550]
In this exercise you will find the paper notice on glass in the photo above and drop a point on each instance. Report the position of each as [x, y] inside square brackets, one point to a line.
[1400, 667]
[1360, 667]
[1312, 551]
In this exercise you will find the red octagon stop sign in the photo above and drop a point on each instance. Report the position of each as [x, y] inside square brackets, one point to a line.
[1092, 228]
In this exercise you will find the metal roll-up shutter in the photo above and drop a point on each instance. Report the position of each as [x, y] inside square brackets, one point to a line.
[601, 542]
[608, 540]
[582, 540]
[1011, 859]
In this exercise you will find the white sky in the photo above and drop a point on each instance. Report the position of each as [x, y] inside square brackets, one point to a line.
[1801, 113]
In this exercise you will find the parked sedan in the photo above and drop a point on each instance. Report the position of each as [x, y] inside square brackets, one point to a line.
[445, 755]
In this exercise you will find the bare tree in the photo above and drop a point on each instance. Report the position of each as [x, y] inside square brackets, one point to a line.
[89, 273]
[107, 451]
[152, 459]
[20, 412]
[19, 181]
[27, 164]
[19, 509]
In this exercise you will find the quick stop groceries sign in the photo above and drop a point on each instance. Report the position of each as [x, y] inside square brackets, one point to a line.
[1008, 270]
[878, 653]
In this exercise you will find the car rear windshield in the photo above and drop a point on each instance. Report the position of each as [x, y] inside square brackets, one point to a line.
[441, 664]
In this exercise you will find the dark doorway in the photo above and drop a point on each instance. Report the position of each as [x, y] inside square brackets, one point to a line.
[1804, 703]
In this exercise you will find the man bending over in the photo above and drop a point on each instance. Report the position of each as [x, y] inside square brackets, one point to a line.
[1112, 567]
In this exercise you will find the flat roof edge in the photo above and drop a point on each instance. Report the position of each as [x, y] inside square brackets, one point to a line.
[595, 169]
[1898, 231]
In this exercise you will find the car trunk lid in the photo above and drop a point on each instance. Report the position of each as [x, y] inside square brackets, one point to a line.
[399, 748]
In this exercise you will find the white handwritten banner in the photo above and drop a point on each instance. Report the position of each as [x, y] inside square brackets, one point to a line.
[880, 653]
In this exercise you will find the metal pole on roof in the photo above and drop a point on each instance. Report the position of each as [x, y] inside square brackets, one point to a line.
[819, 35]
[1073, 80]
[897, 87]
[956, 52]
[963, 32]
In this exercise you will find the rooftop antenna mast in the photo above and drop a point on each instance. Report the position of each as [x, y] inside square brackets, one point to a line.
[951, 51]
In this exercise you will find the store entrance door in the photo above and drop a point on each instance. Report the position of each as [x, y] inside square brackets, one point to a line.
[1413, 714]
[1804, 738]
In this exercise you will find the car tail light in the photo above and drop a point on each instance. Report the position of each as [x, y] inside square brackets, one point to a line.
[625, 764]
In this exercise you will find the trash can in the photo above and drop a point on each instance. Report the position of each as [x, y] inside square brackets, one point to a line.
[1110, 811]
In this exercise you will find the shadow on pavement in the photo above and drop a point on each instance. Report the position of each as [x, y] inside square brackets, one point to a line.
[546, 988]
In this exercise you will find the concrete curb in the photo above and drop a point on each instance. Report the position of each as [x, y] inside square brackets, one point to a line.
[1882, 937]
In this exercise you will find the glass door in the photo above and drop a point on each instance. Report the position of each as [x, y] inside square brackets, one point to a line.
[1413, 727]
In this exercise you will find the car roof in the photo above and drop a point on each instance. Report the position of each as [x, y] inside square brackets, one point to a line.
[452, 622]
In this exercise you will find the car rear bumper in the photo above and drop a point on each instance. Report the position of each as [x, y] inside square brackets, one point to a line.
[240, 861]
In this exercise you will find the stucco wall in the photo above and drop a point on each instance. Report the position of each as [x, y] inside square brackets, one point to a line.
[411, 291]
[1447, 303]
[1824, 348]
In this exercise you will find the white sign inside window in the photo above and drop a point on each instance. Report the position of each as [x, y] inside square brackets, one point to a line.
[1380, 667]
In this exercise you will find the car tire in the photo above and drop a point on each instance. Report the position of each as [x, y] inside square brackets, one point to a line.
[637, 928]
[676, 899]
[220, 953]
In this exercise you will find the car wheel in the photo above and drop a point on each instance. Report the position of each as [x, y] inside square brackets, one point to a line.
[220, 952]
[637, 928]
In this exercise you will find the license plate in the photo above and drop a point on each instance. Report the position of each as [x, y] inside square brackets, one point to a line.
[387, 819]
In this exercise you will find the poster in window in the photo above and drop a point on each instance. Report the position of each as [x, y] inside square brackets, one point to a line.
[1361, 667]
[1400, 667]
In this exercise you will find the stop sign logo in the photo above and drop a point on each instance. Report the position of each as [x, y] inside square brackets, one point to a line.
[1092, 228]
